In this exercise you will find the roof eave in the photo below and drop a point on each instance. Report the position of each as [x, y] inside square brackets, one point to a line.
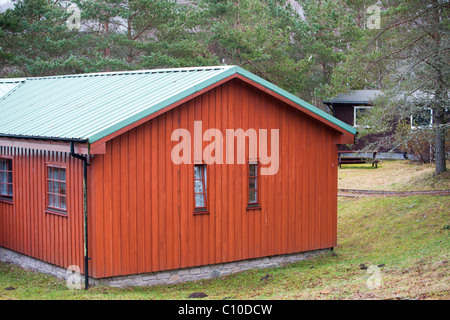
[55, 144]
[63, 139]
[348, 102]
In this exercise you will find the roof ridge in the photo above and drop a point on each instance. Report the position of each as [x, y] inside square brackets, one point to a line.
[131, 72]
[12, 80]
[17, 83]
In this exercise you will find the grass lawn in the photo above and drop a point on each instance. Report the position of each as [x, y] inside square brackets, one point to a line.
[388, 248]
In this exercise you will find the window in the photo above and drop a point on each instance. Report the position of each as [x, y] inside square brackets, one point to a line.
[253, 177]
[6, 186]
[56, 188]
[200, 188]
[359, 114]
[422, 119]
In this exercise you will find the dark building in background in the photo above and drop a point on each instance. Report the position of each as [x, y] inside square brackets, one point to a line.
[349, 108]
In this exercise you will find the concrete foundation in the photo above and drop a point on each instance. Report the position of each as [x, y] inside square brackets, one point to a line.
[161, 277]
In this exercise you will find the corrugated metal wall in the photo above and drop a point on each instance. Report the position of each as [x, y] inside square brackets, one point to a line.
[142, 205]
[25, 226]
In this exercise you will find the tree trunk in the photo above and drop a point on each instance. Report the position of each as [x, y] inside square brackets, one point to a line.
[439, 122]
[107, 51]
[130, 38]
[440, 95]
[440, 151]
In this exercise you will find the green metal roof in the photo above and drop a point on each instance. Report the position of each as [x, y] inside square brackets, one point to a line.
[93, 106]
[7, 85]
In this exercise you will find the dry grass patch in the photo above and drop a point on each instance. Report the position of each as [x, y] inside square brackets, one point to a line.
[393, 175]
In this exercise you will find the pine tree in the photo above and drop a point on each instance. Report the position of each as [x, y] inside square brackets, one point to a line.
[36, 41]
[415, 38]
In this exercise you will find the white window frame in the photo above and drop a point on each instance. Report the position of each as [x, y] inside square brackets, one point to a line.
[6, 173]
[51, 207]
[419, 127]
[256, 189]
[354, 116]
[205, 188]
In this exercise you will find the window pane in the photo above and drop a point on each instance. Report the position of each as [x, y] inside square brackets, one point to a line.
[252, 170]
[62, 174]
[56, 187]
[199, 200]
[198, 172]
[422, 119]
[205, 182]
[252, 196]
[252, 183]
[198, 186]
[6, 188]
[62, 189]
[360, 114]
[63, 203]
[3, 189]
[3, 165]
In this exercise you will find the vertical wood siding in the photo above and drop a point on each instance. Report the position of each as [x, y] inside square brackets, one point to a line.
[142, 205]
[25, 227]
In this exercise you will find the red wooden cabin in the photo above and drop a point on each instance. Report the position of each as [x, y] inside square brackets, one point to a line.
[143, 212]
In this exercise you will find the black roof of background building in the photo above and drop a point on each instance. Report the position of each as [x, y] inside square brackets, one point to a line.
[355, 97]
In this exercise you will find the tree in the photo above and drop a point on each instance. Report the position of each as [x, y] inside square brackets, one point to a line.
[137, 31]
[411, 51]
[324, 37]
[113, 35]
[36, 41]
[255, 35]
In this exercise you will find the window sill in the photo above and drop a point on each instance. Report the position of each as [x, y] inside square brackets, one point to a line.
[56, 212]
[200, 211]
[254, 207]
[6, 200]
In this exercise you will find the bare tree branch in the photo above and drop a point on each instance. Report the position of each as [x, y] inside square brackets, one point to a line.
[387, 56]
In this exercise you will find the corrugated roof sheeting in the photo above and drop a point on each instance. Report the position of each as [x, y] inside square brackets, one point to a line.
[92, 106]
[7, 86]
[78, 107]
